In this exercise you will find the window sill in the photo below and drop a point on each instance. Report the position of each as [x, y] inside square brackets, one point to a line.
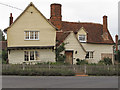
[31, 39]
[89, 58]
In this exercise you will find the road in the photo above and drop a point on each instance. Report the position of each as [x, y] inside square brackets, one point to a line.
[59, 82]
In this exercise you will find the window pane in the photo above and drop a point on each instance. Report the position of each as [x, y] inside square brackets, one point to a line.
[82, 37]
[87, 55]
[31, 35]
[37, 55]
[36, 35]
[31, 55]
[27, 35]
[26, 56]
[91, 54]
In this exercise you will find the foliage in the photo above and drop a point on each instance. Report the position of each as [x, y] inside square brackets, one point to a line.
[52, 63]
[103, 70]
[3, 36]
[81, 62]
[119, 56]
[105, 61]
[4, 56]
[60, 57]
[39, 72]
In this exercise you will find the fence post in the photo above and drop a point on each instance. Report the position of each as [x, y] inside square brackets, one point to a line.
[23, 65]
[49, 65]
[85, 69]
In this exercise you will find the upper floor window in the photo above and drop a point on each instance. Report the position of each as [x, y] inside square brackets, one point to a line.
[31, 35]
[82, 38]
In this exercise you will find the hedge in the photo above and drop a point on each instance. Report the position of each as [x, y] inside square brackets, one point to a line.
[43, 72]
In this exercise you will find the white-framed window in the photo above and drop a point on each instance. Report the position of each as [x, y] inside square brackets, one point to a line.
[31, 35]
[31, 55]
[26, 55]
[89, 55]
[82, 38]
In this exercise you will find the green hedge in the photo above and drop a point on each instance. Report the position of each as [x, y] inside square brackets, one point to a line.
[43, 72]
[102, 72]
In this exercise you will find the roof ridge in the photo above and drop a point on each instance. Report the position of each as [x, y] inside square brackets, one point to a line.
[83, 22]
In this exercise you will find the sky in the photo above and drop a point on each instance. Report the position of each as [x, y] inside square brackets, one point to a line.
[72, 10]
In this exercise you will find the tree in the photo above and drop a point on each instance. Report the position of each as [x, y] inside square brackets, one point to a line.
[60, 57]
[2, 38]
[3, 53]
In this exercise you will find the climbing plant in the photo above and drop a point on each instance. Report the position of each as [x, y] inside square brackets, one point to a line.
[60, 57]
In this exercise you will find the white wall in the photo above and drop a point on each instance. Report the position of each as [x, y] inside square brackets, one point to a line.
[74, 45]
[98, 49]
[17, 56]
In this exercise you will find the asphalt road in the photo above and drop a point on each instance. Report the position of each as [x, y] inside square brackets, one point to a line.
[59, 82]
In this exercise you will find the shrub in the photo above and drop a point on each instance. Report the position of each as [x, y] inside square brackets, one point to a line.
[106, 61]
[39, 72]
[4, 57]
[81, 62]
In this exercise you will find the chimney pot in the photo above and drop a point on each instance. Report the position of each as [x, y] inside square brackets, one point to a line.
[11, 19]
[116, 40]
[10, 14]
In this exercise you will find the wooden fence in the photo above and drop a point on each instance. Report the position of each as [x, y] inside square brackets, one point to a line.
[81, 69]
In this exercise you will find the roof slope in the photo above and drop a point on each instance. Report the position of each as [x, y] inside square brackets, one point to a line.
[61, 36]
[95, 31]
[31, 4]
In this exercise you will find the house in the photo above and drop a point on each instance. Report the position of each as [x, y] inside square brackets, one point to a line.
[32, 37]
[85, 41]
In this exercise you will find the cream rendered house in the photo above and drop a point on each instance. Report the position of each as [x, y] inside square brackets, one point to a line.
[31, 38]
[85, 41]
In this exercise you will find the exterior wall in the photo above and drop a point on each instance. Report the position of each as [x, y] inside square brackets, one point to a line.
[82, 32]
[31, 22]
[74, 45]
[98, 49]
[17, 56]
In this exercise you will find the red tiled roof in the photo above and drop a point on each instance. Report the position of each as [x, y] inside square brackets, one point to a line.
[95, 31]
[60, 36]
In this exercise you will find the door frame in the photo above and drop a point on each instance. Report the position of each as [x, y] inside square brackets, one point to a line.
[72, 54]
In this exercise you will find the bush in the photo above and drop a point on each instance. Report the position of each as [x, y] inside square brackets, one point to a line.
[103, 72]
[81, 62]
[105, 61]
[4, 57]
[39, 72]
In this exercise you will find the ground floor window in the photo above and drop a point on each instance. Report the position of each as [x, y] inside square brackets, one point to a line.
[31, 55]
[89, 55]
[106, 55]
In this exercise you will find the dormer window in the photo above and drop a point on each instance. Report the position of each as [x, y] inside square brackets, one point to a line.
[82, 38]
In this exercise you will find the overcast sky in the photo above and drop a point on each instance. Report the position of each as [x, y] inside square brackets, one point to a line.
[72, 10]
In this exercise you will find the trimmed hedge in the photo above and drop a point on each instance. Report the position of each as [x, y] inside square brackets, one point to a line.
[43, 72]
[103, 72]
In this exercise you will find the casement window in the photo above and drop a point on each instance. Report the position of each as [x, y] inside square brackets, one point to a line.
[26, 55]
[89, 55]
[31, 55]
[82, 38]
[31, 35]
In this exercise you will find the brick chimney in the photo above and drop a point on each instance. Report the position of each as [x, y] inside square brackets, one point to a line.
[105, 23]
[56, 16]
[11, 19]
[105, 28]
[116, 40]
